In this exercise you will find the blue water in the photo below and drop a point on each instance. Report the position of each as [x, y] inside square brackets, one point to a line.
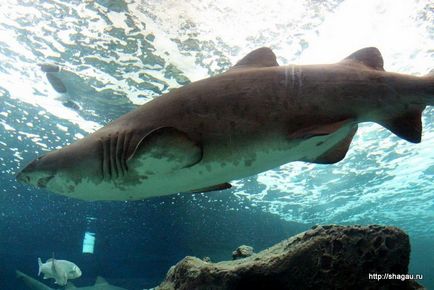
[120, 54]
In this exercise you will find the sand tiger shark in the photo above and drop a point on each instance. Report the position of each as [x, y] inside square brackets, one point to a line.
[256, 116]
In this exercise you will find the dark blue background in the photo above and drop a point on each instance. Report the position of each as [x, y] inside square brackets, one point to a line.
[136, 242]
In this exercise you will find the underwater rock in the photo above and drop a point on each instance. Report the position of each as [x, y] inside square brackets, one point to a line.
[325, 257]
[241, 252]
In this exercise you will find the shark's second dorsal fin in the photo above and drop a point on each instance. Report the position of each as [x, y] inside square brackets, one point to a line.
[261, 57]
[368, 56]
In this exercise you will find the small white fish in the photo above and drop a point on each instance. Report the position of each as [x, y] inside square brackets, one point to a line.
[59, 270]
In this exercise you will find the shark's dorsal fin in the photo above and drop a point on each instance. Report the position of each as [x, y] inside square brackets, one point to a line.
[261, 57]
[368, 56]
[100, 280]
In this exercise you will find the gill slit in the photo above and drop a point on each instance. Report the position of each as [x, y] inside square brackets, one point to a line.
[113, 169]
[118, 157]
[106, 170]
[125, 149]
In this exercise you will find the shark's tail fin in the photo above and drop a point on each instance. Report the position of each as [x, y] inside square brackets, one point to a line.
[429, 88]
[408, 124]
[40, 266]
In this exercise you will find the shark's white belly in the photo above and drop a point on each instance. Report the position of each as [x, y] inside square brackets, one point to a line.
[218, 166]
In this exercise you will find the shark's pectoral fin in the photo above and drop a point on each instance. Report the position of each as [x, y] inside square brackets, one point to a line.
[261, 57]
[337, 152]
[368, 56]
[407, 126]
[319, 130]
[164, 150]
[221, 186]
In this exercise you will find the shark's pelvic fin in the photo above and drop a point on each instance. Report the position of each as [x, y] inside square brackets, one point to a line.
[321, 130]
[221, 186]
[407, 125]
[338, 152]
[368, 56]
[261, 57]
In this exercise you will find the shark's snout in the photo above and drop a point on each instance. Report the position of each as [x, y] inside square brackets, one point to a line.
[34, 175]
[21, 177]
[25, 174]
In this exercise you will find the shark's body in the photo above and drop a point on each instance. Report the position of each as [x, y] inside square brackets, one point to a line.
[33, 284]
[255, 117]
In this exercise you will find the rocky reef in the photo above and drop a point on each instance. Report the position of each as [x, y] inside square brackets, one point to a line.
[325, 257]
[241, 252]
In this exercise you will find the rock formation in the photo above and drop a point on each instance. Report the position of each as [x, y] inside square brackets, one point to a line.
[325, 257]
[242, 252]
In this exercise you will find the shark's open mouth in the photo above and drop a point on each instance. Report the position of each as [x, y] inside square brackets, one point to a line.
[42, 182]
